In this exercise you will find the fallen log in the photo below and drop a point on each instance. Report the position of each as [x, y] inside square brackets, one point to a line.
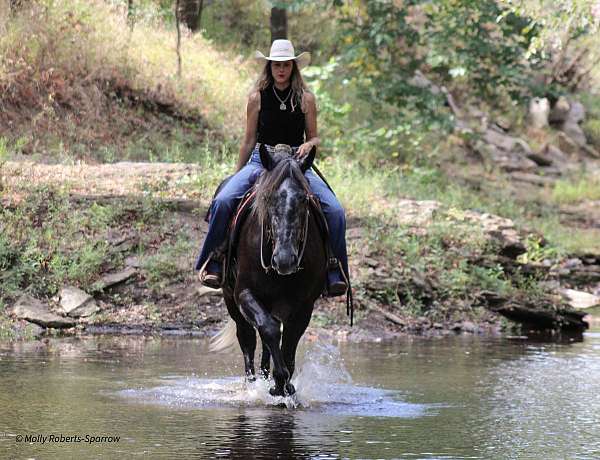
[538, 319]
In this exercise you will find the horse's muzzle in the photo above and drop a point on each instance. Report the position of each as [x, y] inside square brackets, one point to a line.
[285, 263]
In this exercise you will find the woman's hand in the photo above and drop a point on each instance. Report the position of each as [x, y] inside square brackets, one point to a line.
[304, 150]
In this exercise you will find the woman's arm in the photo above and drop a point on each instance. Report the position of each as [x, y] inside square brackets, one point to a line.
[249, 142]
[310, 114]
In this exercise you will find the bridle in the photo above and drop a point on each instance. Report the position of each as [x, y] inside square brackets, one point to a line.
[304, 237]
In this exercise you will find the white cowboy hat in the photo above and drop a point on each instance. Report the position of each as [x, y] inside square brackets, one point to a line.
[283, 50]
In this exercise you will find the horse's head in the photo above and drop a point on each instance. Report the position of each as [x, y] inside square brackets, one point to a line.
[283, 203]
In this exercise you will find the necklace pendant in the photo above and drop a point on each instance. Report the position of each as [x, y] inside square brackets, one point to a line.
[282, 106]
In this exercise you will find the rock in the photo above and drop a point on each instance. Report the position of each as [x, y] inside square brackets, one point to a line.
[573, 262]
[579, 299]
[370, 261]
[503, 123]
[567, 145]
[506, 160]
[133, 261]
[559, 112]
[501, 230]
[76, 303]
[34, 311]
[506, 142]
[417, 213]
[456, 327]
[575, 132]
[540, 159]
[35, 330]
[422, 283]
[590, 151]
[539, 109]
[468, 326]
[355, 233]
[114, 278]
[585, 275]
[576, 113]
[510, 153]
[532, 178]
[512, 248]
[554, 154]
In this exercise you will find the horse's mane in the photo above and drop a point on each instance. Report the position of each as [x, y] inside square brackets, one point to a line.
[270, 181]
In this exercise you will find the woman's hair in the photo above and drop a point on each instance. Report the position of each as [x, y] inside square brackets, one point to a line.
[265, 79]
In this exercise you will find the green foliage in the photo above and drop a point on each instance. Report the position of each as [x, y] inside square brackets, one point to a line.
[386, 49]
[40, 244]
[480, 43]
[239, 23]
[560, 19]
[165, 267]
[386, 42]
[572, 191]
[538, 250]
[591, 128]
[591, 125]
[3, 159]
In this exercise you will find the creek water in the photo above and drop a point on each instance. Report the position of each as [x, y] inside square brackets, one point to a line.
[453, 397]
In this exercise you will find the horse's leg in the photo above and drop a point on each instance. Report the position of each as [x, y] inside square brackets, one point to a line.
[270, 334]
[265, 361]
[246, 336]
[292, 332]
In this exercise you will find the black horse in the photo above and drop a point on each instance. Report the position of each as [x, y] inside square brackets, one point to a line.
[280, 270]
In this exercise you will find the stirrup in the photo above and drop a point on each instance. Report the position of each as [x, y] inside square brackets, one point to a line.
[212, 280]
[336, 289]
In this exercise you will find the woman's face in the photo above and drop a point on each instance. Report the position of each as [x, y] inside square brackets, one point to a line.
[282, 71]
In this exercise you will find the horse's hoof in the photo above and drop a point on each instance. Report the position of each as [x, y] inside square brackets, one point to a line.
[275, 391]
[250, 378]
[289, 389]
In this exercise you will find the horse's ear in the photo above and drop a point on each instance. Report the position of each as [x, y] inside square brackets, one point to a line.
[266, 158]
[308, 160]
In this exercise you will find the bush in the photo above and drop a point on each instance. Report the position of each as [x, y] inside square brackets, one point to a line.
[591, 128]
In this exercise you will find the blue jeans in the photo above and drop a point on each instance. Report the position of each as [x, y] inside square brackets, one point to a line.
[226, 201]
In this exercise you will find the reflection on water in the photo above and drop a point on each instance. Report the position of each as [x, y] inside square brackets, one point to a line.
[459, 397]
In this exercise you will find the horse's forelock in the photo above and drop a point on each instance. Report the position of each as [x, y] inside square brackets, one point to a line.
[270, 181]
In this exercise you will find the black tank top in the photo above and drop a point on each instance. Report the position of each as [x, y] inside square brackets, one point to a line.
[276, 126]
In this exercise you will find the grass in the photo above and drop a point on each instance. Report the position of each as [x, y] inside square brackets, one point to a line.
[372, 192]
[576, 190]
[42, 248]
[170, 264]
[47, 241]
[75, 53]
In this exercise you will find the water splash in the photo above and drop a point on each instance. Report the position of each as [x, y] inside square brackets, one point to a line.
[322, 384]
[320, 372]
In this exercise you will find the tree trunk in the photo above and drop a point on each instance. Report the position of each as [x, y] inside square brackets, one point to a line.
[130, 17]
[278, 23]
[16, 5]
[177, 22]
[190, 12]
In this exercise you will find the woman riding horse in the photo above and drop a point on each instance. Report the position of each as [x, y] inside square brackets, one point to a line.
[280, 110]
